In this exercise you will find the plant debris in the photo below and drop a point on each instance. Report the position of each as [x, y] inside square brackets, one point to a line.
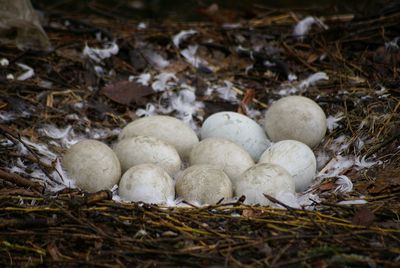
[107, 70]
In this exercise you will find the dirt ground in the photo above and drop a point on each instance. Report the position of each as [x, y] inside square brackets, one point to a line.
[234, 61]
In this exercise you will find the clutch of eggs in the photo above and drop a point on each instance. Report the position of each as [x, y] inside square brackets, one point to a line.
[151, 151]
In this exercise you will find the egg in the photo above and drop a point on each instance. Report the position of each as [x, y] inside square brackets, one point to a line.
[296, 118]
[165, 128]
[264, 178]
[237, 128]
[296, 157]
[224, 154]
[147, 150]
[203, 184]
[147, 183]
[93, 165]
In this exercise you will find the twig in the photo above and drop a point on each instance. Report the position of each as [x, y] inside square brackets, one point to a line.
[21, 181]
[9, 135]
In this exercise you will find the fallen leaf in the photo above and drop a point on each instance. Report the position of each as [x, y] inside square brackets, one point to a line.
[125, 92]
[53, 251]
[312, 58]
[251, 213]
[327, 186]
[220, 16]
[363, 216]
[319, 264]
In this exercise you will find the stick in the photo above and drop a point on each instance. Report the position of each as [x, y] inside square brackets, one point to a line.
[20, 181]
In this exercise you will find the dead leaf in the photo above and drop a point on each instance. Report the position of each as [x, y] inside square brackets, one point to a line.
[251, 213]
[247, 99]
[53, 251]
[312, 58]
[69, 54]
[125, 92]
[363, 216]
[218, 15]
[319, 264]
[327, 186]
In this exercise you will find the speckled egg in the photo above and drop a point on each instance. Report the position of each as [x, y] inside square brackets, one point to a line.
[203, 184]
[264, 178]
[93, 165]
[147, 183]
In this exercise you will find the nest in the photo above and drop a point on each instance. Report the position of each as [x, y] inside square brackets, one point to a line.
[350, 68]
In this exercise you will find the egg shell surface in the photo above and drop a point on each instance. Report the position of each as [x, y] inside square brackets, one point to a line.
[264, 178]
[165, 128]
[237, 128]
[296, 157]
[204, 184]
[93, 165]
[147, 183]
[296, 118]
[224, 154]
[147, 150]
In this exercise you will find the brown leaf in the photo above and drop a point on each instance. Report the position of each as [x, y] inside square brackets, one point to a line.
[125, 92]
[53, 251]
[251, 213]
[363, 216]
[218, 15]
[327, 186]
[312, 58]
[319, 264]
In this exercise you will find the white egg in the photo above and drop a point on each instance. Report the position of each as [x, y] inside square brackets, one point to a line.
[237, 128]
[147, 183]
[263, 179]
[147, 150]
[93, 165]
[165, 128]
[296, 118]
[203, 184]
[224, 154]
[296, 157]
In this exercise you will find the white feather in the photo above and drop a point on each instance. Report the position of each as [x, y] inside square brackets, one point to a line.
[344, 184]
[336, 166]
[190, 56]
[144, 79]
[332, 121]
[29, 72]
[227, 93]
[164, 81]
[362, 163]
[313, 79]
[148, 111]
[303, 27]
[353, 202]
[4, 62]
[97, 54]
[155, 59]
[182, 36]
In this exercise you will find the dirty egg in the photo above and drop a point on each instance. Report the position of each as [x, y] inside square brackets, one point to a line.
[264, 178]
[147, 150]
[203, 184]
[296, 118]
[296, 157]
[166, 128]
[146, 183]
[93, 165]
[224, 154]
